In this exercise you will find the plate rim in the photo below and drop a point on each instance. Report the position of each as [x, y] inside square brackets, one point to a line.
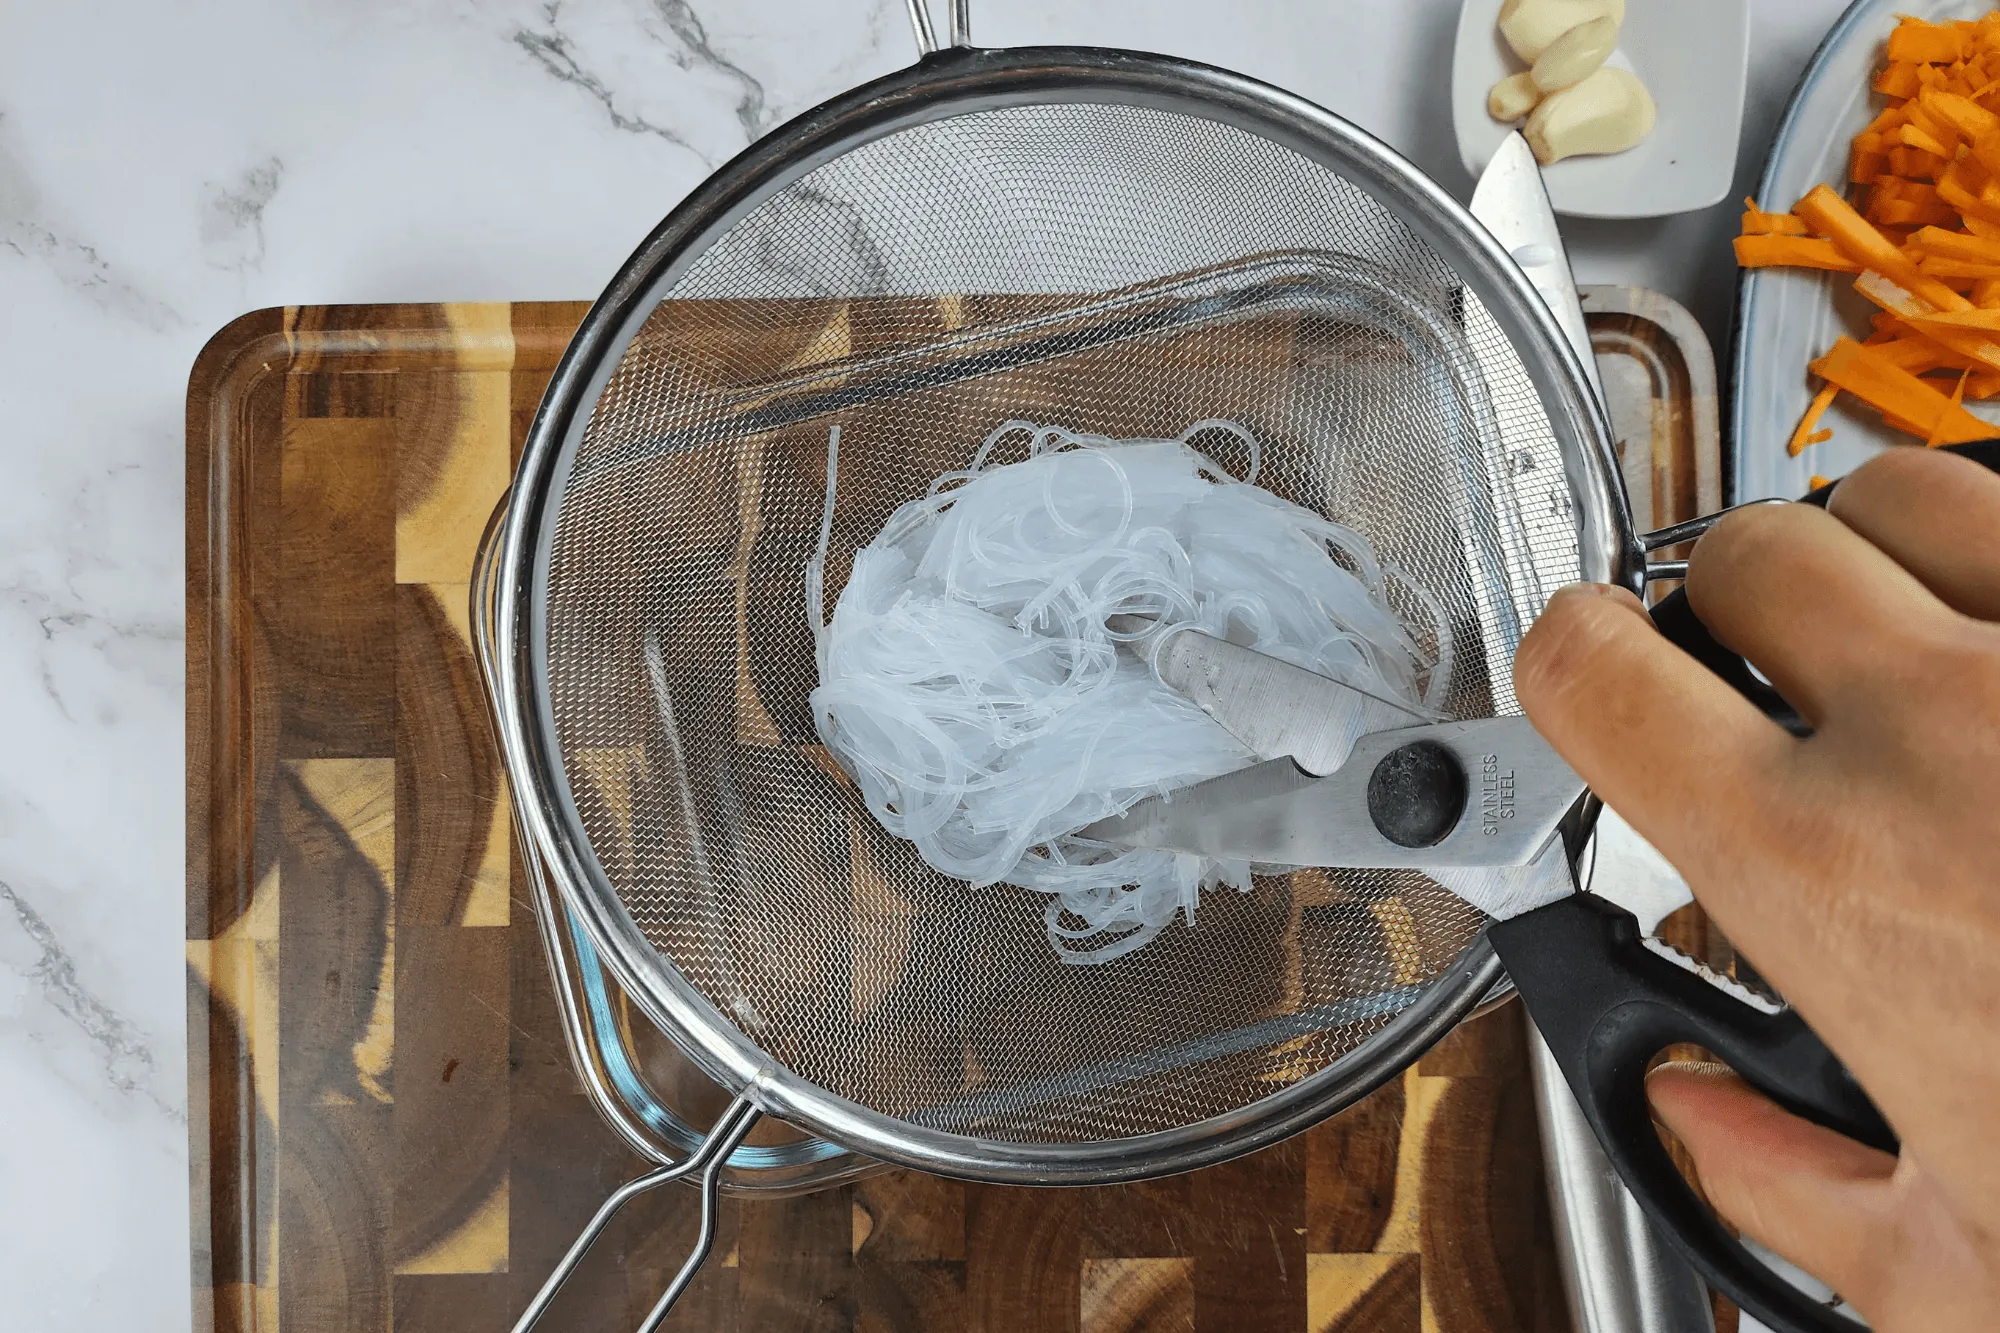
[1844, 29]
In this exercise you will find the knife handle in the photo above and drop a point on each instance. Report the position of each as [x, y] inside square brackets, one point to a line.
[1677, 621]
[1606, 1005]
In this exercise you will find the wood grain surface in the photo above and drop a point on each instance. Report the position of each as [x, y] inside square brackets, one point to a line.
[386, 1130]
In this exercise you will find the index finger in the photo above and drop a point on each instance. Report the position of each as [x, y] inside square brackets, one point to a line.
[1936, 515]
[1650, 729]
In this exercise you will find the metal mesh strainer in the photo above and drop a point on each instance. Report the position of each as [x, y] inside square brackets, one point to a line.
[1120, 244]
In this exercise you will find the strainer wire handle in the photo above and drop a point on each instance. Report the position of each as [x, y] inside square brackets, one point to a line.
[959, 33]
[1676, 618]
[724, 1137]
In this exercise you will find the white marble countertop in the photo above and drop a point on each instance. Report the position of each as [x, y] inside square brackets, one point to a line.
[165, 167]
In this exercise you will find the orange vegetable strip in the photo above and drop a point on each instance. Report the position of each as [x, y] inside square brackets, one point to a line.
[1898, 79]
[1936, 436]
[1939, 115]
[1830, 215]
[1818, 481]
[1915, 162]
[1863, 372]
[1923, 118]
[1913, 213]
[1888, 118]
[1919, 139]
[1986, 321]
[1952, 189]
[1919, 354]
[1960, 268]
[1808, 423]
[1756, 222]
[1942, 244]
[1917, 42]
[1894, 299]
[1975, 344]
[1792, 252]
[1865, 167]
[1961, 113]
[1887, 190]
[1986, 293]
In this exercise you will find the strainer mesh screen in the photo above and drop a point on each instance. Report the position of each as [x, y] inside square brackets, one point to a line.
[1112, 269]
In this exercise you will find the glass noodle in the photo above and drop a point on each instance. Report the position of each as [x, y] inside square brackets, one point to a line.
[970, 685]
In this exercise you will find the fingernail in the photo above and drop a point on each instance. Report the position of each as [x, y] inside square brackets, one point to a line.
[1608, 591]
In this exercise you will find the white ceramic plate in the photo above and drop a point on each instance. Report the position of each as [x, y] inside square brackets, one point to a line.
[1692, 54]
[1786, 317]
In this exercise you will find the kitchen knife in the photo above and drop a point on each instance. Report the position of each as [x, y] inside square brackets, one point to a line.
[1620, 1275]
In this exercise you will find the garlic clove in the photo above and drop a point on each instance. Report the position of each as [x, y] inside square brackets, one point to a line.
[1576, 55]
[1530, 26]
[1513, 97]
[1607, 112]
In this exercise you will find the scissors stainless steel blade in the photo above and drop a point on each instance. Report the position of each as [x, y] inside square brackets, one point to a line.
[1348, 779]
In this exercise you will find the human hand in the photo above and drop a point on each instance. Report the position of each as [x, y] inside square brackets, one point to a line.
[1859, 868]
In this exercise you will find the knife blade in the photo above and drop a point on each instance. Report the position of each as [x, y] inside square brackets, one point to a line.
[1513, 203]
[1514, 790]
[1620, 1275]
[1277, 710]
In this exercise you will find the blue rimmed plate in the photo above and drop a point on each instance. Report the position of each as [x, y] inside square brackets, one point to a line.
[1787, 317]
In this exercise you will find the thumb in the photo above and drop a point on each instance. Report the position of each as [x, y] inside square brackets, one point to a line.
[1816, 1197]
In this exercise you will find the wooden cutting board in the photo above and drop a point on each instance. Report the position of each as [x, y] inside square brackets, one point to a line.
[385, 1129]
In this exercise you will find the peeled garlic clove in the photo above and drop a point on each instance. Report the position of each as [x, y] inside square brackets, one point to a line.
[1513, 97]
[1606, 113]
[1576, 55]
[1530, 26]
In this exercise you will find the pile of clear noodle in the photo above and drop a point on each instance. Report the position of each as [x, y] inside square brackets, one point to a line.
[970, 685]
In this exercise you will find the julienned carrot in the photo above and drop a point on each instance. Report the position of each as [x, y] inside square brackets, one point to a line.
[1922, 236]
[1895, 299]
[1924, 141]
[1831, 216]
[1973, 341]
[1955, 187]
[1985, 321]
[1919, 43]
[1808, 428]
[1961, 113]
[1957, 245]
[1792, 252]
[1960, 268]
[1757, 222]
[1918, 354]
[1865, 373]
[1898, 79]
[1915, 162]
[1911, 213]
[1936, 436]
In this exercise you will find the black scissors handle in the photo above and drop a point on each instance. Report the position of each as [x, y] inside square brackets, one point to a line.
[1607, 1004]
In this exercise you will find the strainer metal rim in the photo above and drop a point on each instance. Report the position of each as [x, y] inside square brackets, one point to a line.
[942, 86]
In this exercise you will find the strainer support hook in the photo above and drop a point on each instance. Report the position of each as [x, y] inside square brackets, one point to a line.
[958, 34]
[724, 1137]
